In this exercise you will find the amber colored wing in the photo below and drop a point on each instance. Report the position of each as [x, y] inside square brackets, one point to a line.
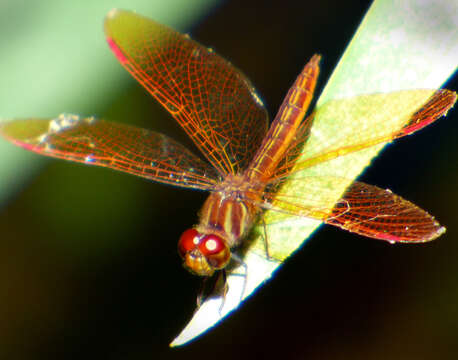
[354, 135]
[212, 100]
[364, 209]
[117, 146]
[377, 213]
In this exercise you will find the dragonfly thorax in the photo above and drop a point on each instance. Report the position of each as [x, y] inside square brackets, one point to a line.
[237, 187]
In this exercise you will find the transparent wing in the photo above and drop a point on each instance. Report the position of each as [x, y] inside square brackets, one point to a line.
[361, 122]
[117, 146]
[377, 213]
[212, 100]
[298, 188]
[363, 209]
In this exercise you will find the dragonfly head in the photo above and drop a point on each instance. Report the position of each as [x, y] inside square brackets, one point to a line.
[203, 254]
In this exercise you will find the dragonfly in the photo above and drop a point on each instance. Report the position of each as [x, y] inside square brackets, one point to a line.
[245, 162]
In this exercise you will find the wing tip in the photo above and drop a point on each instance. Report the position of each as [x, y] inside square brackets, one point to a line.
[452, 96]
[112, 13]
[112, 16]
[439, 232]
[433, 235]
[115, 12]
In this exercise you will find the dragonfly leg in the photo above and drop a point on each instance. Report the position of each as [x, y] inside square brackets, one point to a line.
[245, 274]
[217, 286]
[266, 242]
[213, 286]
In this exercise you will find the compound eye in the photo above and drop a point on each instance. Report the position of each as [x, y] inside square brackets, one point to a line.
[188, 241]
[215, 251]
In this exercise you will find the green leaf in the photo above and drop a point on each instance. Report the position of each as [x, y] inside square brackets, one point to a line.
[389, 52]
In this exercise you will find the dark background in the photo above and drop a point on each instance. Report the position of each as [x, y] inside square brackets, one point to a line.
[88, 263]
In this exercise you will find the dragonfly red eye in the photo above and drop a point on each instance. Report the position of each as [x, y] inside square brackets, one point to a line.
[188, 241]
[215, 251]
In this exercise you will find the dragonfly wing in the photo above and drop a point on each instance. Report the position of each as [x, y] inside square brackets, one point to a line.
[377, 213]
[212, 100]
[364, 209]
[121, 147]
[361, 122]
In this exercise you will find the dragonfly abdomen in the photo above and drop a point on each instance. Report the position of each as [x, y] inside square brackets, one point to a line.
[283, 129]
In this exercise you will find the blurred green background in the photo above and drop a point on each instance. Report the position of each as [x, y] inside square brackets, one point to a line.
[88, 262]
